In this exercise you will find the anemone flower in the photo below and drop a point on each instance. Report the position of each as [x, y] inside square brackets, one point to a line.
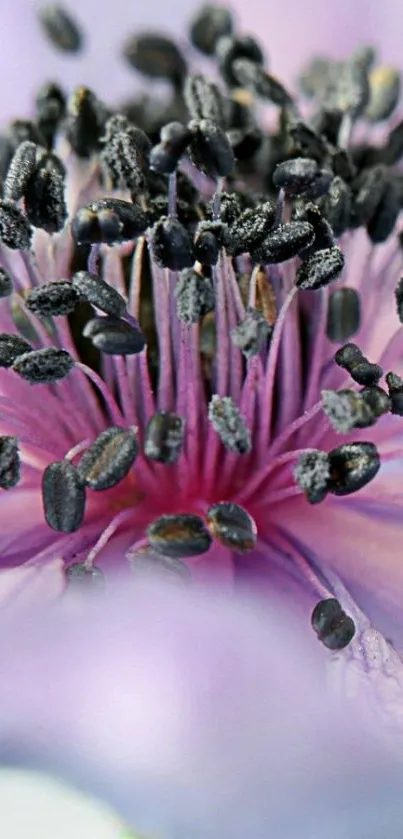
[177, 707]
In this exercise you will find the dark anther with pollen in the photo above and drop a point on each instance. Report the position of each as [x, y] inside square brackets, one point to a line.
[15, 229]
[232, 526]
[395, 388]
[361, 370]
[295, 176]
[209, 237]
[108, 220]
[347, 409]
[164, 437]
[252, 333]
[208, 25]
[250, 229]
[55, 298]
[170, 244]
[50, 104]
[125, 153]
[337, 206]
[61, 29]
[179, 536]
[228, 50]
[165, 156]
[377, 400]
[63, 497]
[384, 93]
[155, 56]
[44, 195]
[343, 314]
[352, 466]
[6, 284]
[109, 459]
[9, 462]
[385, 217]
[20, 130]
[20, 171]
[308, 142]
[333, 627]
[324, 237]
[114, 336]
[194, 296]
[78, 574]
[209, 149]
[245, 142]
[230, 207]
[343, 165]
[12, 346]
[369, 188]
[312, 475]
[348, 356]
[229, 424]
[84, 122]
[98, 293]
[285, 242]
[43, 366]
[351, 89]
[261, 84]
[204, 99]
[320, 269]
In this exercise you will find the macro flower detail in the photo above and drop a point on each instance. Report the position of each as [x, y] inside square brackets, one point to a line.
[182, 284]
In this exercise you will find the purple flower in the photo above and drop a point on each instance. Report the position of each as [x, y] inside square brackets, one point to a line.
[209, 449]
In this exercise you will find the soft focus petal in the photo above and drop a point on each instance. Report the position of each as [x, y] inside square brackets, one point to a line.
[186, 712]
[32, 582]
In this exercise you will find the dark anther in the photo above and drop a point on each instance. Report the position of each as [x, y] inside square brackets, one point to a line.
[61, 29]
[9, 462]
[208, 239]
[55, 298]
[170, 244]
[6, 284]
[164, 437]
[21, 169]
[15, 230]
[165, 156]
[324, 237]
[11, 346]
[348, 356]
[347, 409]
[125, 153]
[393, 150]
[85, 117]
[327, 123]
[155, 56]
[252, 333]
[385, 217]
[308, 142]
[209, 149]
[285, 242]
[320, 269]
[229, 424]
[352, 466]
[337, 206]
[114, 336]
[108, 220]
[378, 400]
[351, 89]
[204, 99]
[43, 366]
[228, 50]
[261, 84]
[109, 459]
[63, 497]
[295, 176]
[245, 142]
[98, 293]
[361, 370]
[312, 474]
[230, 207]
[50, 102]
[249, 229]
[369, 188]
[342, 164]
[194, 296]
[231, 525]
[78, 574]
[179, 536]
[384, 90]
[44, 195]
[395, 388]
[208, 25]
[343, 314]
[333, 627]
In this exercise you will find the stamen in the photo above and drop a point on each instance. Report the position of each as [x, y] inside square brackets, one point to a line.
[228, 50]
[295, 176]
[84, 123]
[109, 459]
[170, 244]
[229, 424]
[209, 24]
[78, 575]
[312, 473]
[209, 149]
[61, 29]
[63, 497]
[11, 347]
[285, 242]
[320, 269]
[333, 627]
[98, 293]
[384, 93]
[6, 284]
[194, 296]
[347, 409]
[164, 437]
[343, 315]
[43, 366]
[251, 75]
[209, 237]
[20, 171]
[324, 237]
[15, 230]
[125, 154]
[179, 536]
[337, 206]
[232, 526]
[251, 334]
[9, 462]
[109, 220]
[377, 400]
[352, 466]
[250, 228]
[50, 103]
[51, 299]
[114, 336]
[156, 57]
[361, 370]
[395, 387]
[204, 99]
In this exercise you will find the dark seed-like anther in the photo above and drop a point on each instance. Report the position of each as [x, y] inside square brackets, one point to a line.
[352, 466]
[320, 269]
[63, 497]
[179, 536]
[78, 574]
[170, 244]
[377, 400]
[343, 314]
[347, 409]
[194, 296]
[44, 195]
[164, 437]
[252, 333]
[21, 169]
[333, 627]
[210, 24]
[229, 424]
[109, 459]
[384, 90]
[11, 346]
[114, 336]
[61, 29]
[109, 220]
[84, 123]
[312, 475]
[9, 462]
[155, 56]
[285, 242]
[231, 525]
[229, 50]
[395, 388]
[50, 299]
[43, 366]
[15, 230]
[99, 293]
[249, 229]
[125, 153]
[295, 176]
[209, 149]
[6, 284]
[252, 76]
